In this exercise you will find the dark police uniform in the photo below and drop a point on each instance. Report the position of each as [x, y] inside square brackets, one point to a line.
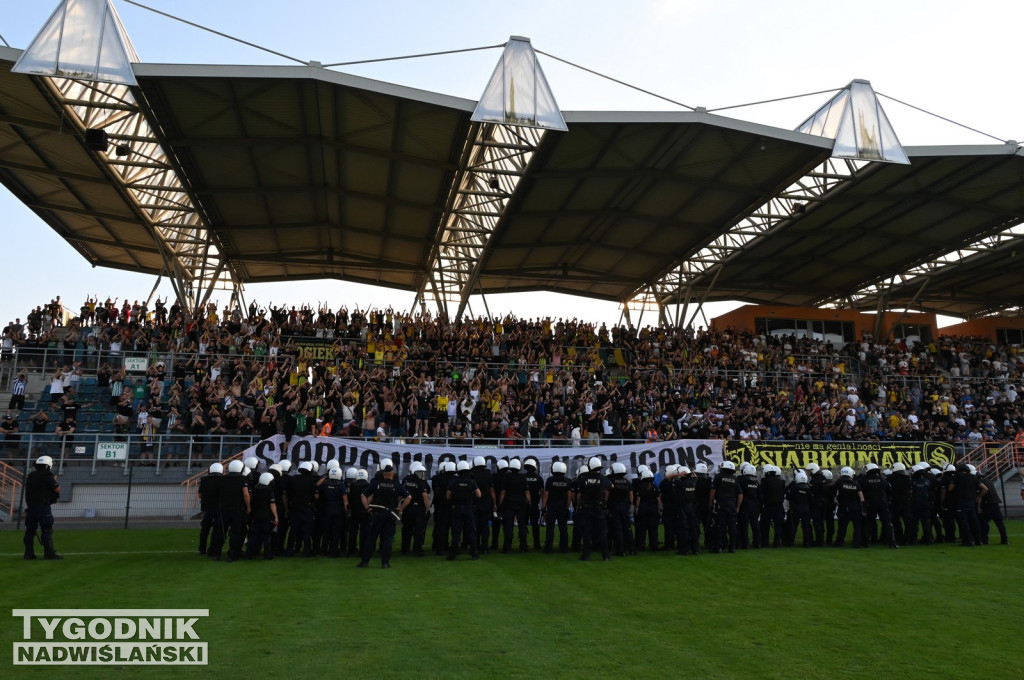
[947, 509]
[414, 519]
[334, 497]
[817, 482]
[593, 496]
[556, 510]
[442, 512]
[964, 489]
[484, 507]
[876, 502]
[687, 523]
[233, 516]
[773, 493]
[620, 496]
[263, 504]
[748, 516]
[800, 511]
[302, 496]
[387, 492]
[283, 524]
[464, 491]
[359, 518]
[514, 501]
[848, 495]
[899, 504]
[920, 508]
[497, 479]
[991, 511]
[41, 491]
[209, 503]
[648, 511]
[703, 506]
[728, 496]
[535, 485]
[668, 508]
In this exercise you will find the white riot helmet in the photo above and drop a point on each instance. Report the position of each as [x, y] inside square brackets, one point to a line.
[276, 468]
[479, 461]
[973, 470]
[683, 470]
[362, 475]
[671, 470]
[502, 464]
[800, 477]
[846, 472]
[935, 471]
[215, 469]
[595, 463]
[748, 469]
[642, 468]
[449, 466]
[646, 474]
[463, 466]
[45, 460]
[531, 462]
[350, 473]
[285, 464]
[558, 468]
[236, 466]
[949, 468]
[870, 467]
[618, 469]
[266, 479]
[812, 468]
[334, 473]
[387, 465]
[514, 464]
[246, 471]
[827, 474]
[701, 468]
[252, 462]
[333, 464]
[898, 467]
[728, 465]
[887, 472]
[305, 466]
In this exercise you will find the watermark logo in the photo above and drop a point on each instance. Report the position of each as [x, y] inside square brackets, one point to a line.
[110, 637]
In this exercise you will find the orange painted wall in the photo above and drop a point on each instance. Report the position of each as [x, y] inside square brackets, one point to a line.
[984, 327]
[744, 317]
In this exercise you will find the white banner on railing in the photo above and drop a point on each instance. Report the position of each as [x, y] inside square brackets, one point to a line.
[363, 454]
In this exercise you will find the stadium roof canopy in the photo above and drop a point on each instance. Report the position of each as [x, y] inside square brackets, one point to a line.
[239, 174]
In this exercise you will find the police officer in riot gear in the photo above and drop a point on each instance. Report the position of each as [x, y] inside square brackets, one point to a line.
[648, 510]
[816, 478]
[851, 502]
[462, 493]
[747, 521]
[414, 521]
[773, 493]
[991, 511]
[234, 510]
[899, 502]
[302, 496]
[876, 503]
[484, 507]
[592, 502]
[334, 495]
[799, 495]
[209, 504]
[967, 492]
[497, 517]
[668, 506]
[383, 499]
[727, 498]
[359, 518]
[280, 471]
[535, 484]
[263, 518]
[555, 506]
[687, 524]
[920, 506]
[515, 497]
[41, 491]
[442, 509]
[620, 500]
[703, 501]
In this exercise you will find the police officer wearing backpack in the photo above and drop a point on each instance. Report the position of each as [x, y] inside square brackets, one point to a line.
[462, 493]
[555, 506]
[41, 491]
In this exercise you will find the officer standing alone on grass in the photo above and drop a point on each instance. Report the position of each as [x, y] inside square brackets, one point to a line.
[383, 499]
[41, 491]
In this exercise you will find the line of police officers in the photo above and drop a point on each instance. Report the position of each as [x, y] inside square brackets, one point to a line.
[479, 510]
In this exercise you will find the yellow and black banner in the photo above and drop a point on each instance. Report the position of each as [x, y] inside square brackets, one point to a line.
[316, 349]
[838, 454]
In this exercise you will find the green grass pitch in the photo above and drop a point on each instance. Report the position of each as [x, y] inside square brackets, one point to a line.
[935, 612]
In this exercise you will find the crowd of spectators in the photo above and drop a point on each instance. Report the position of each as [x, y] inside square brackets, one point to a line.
[381, 373]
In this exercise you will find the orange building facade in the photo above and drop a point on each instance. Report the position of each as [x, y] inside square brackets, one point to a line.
[837, 326]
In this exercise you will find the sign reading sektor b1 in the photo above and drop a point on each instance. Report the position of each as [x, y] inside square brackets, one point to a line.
[838, 454]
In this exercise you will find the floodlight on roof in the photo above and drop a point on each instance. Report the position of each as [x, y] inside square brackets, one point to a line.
[518, 93]
[855, 120]
[82, 40]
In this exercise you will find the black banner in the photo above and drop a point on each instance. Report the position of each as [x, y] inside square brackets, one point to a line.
[838, 454]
